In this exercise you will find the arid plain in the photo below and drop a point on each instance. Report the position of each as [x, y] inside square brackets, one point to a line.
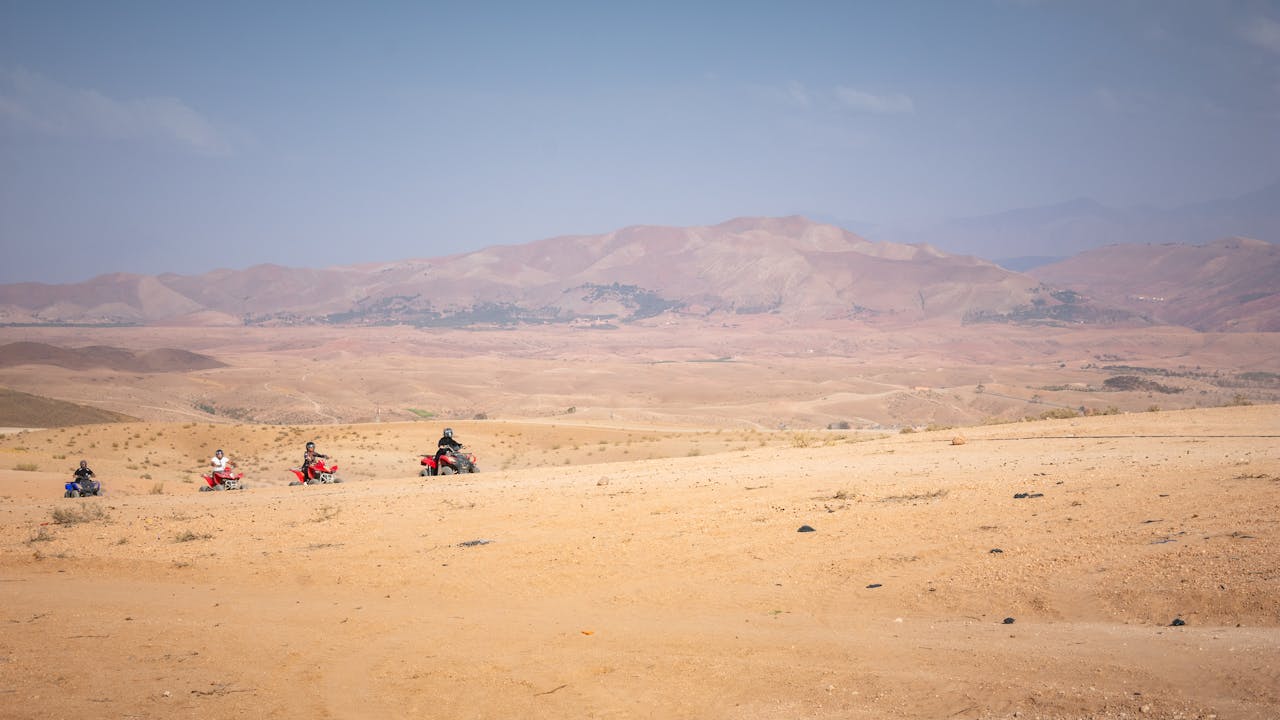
[631, 548]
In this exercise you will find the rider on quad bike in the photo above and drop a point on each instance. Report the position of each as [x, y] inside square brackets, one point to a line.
[309, 458]
[449, 458]
[447, 445]
[82, 482]
[222, 477]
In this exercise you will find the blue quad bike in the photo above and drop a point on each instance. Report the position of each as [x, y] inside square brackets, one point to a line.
[80, 489]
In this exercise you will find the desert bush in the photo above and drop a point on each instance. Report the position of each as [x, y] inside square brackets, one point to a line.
[26, 467]
[932, 495]
[157, 489]
[802, 440]
[1058, 414]
[1238, 400]
[1153, 408]
[906, 430]
[841, 425]
[84, 512]
[189, 535]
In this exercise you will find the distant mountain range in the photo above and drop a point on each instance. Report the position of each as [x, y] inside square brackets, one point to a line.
[1024, 238]
[790, 267]
[1230, 284]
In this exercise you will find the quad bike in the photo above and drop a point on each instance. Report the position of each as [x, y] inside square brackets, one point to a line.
[222, 481]
[81, 488]
[323, 474]
[448, 463]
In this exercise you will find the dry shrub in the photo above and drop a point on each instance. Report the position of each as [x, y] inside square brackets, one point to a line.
[78, 514]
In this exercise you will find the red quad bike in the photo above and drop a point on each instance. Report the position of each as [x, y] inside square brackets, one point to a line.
[450, 462]
[222, 481]
[324, 474]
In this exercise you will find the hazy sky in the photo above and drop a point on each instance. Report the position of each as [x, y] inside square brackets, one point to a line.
[185, 136]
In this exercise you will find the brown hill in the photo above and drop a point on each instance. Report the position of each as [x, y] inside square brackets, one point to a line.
[160, 360]
[117, 298]
[1230, 284]
[19, 409]
[789, 266]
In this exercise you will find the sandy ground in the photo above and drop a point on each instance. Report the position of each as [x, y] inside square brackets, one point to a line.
[659, 574]
[763, 374]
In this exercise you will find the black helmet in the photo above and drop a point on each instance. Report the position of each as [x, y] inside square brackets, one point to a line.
[219, 452]
[311, 446]
[448, 432]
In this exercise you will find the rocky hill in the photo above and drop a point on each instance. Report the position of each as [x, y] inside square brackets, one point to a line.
[791, 267]
[1230, 284]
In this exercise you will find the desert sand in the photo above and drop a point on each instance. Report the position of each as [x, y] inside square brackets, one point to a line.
[632, 570]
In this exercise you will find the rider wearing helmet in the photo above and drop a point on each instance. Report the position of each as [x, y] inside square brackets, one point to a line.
[309, 458]
[446, 445]
[221, 464]
[83, 475]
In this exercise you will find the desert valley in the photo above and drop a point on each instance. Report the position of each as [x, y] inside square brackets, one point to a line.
[765, 469]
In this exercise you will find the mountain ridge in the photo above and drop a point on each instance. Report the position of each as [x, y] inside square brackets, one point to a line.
[788, 266]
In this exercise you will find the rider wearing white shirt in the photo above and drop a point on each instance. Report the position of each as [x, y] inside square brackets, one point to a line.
[221, 464]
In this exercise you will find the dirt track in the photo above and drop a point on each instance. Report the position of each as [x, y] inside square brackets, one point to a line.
[674, 587]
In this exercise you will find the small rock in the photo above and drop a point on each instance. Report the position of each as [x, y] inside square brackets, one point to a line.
[805, 528]
[958, 440]
[872, 586]
[602, 482]
[995, 550]
[1008, 621]
[1145, 708]
[1177, 622]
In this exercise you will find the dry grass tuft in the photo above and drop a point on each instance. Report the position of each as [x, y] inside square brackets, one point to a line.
[79, 514]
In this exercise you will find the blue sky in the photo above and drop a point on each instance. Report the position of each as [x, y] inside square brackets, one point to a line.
[183, 136]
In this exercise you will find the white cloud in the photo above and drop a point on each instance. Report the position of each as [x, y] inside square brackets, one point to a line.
[35, 103]
[1263, 32]
[879, 104]
[798, 94]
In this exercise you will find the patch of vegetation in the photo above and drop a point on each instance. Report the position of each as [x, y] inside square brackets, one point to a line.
[26, 467]
[1252, 379]
[325, 513]
[40, 535]
[189, 535]
[1076, 312]
[932, 495]
[78, 513]
[1133, 383]
[424, 414]
[642, 303]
